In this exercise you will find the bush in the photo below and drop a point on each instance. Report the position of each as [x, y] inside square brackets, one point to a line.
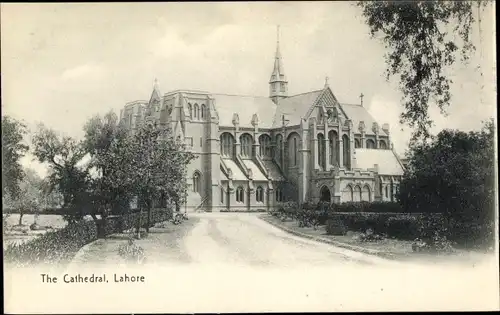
[403, 227]
[52, 247]
[365, 206]
[62, 245]
[131, 252]
[335, 226]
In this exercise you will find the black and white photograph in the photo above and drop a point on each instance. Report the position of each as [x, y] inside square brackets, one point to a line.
[229, 157]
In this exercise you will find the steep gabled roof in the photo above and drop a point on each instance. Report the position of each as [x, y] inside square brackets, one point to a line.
[295, 107]
[245, 106]
[358, 113]
[388, 163]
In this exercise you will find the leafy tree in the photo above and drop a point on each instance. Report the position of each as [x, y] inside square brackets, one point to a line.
[111, 157]
[423, 39]
[13, 149]
[454, 174]
[64, 156]
[159, 166]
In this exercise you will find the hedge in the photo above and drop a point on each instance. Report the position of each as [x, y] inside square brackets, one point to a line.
[61, 246]
[402, 226]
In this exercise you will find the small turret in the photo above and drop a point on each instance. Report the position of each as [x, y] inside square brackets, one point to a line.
[278, 84]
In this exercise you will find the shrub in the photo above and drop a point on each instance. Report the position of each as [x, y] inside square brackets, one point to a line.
[370, 236]
[404, 227]
[131, 252]
[52, 247]
[62, 245]
[365, 206]
[335, 226]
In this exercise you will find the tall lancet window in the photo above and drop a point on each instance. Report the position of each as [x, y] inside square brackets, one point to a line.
[347, 153]
[333, 139]
[246, 145]
[226, 144]
[278, 148]
[321, 151]
[265, 145]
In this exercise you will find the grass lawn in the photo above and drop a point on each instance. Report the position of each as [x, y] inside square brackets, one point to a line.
[163, 244]
[398, 249]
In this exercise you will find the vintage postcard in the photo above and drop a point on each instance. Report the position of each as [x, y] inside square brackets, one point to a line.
[213, 157]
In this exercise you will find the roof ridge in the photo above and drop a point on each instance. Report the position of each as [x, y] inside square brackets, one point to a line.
[304, 93]
[226, 94]
[351, 104]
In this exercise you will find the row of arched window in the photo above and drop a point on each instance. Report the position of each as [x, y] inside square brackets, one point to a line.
[266, 149]
[196, 112]
[370, 144]
[246, 143]
[356, 193]
[240, 194]
[389, 191]
[259, 194]
[334, 152]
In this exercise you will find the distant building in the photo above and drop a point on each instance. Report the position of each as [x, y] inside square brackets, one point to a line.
[254, 152]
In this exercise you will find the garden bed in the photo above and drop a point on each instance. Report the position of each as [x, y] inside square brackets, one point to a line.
[388, 247]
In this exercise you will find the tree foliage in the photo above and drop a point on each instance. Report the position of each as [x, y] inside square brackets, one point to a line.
[13, 149]
[159, 165]
[423, 39]
[149, 164]
[454, 174]
[67, 174]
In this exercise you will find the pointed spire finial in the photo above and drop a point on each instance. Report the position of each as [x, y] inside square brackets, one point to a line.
[361, 97]
[278, 34]
[326, 81]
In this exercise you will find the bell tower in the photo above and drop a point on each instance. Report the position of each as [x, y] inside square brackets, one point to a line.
[278, 84]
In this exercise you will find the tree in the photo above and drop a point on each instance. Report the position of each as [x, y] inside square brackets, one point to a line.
[421, 46]
[13, 149]
[110, 150]
[64, 156]
[159, 166]
[454, 174]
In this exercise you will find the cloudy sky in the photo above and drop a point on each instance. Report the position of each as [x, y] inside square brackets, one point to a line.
[63, 63]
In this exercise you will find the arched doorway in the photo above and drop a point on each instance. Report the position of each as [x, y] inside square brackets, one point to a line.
[325, 194]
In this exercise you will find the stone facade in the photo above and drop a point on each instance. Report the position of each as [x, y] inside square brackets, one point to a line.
[254, 152]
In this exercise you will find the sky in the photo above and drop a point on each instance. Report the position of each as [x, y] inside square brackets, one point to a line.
[64, 63]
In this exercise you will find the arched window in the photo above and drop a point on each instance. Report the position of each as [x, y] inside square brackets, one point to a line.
[196, 111]
[240, 194]
[357, 143]
[321, 151]
[246, 144]
[279, 195]
[265, 145]
[259, 194]
[365, 194]
[370, 144]
[382, 145]
[190, 109]
[226, 144]
[196, 182]
[222, 193]
[293, 148]
[356, 194]
[332, 142]
[347, 194]
[386, 191]
[278, 148]
[347, 153]
[203, 112]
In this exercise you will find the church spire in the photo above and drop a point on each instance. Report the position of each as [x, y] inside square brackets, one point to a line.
[155, 95]
[278, 84]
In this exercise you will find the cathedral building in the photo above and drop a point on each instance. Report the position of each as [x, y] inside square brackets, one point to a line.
[254, 152]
